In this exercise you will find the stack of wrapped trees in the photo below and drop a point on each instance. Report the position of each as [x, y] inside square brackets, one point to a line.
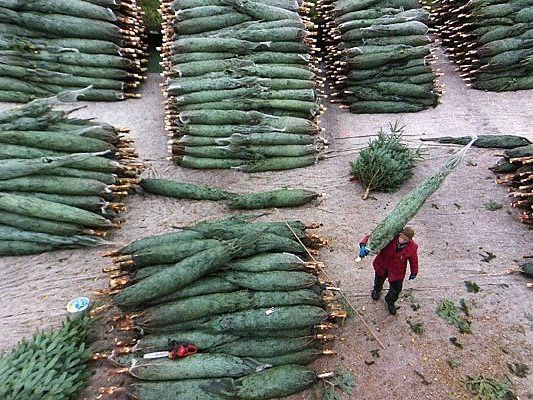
[224, 309]
[378, 55]
[490, 40]
[241, 87]
[62, 180]
[49, 46]
[517, 169]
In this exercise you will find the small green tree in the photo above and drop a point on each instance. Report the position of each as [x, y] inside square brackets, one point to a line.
[386, 163]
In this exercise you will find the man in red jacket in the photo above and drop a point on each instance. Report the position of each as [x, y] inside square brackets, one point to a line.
[391, 263]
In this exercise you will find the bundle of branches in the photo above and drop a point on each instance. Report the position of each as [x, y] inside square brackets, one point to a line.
[51, 365]
[527, 268]
[241, 84]
[484, 141]
[491, 42]
[411, 203]
[62, 180]
[386, 163]
[47, 47]
[517, 167]
[379, 56]
[488, 388]
[273, 198]
[223, 308]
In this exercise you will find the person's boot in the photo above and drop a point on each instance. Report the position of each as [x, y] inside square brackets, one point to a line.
[375, 294]
[392, 308]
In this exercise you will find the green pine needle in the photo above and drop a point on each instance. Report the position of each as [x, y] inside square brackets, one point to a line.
[486, 388]
[54, 362]
[527, 268]
[344, 380]
[472, 287]
[152, 18]
[492, 205]
[342, 383]
[449, 312]
[417, 327]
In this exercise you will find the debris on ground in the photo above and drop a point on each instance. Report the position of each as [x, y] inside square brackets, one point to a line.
[519, 369]
[453, 340]
[487, 257]
[472, 287]
[486, 388]
[422, 377]
[449, 312]
[408, 294]
[493, 206]
[527, 268]
[417, 327]
[464, 307]
[454, 363]
[341, 384]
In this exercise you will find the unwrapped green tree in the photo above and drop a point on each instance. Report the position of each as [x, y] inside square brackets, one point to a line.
[152, 18]
[386, 163]
[50, 366]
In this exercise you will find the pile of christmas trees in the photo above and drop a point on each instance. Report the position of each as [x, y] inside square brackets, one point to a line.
[378, 55]
[491, 41]
[517, 167]
[223, 308]
[241, 87]
[63, 180]
[47, 47]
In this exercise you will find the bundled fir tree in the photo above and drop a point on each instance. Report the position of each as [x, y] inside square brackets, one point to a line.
[386, 163]
[412, 202]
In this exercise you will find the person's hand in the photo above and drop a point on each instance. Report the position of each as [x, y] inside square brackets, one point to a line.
[412, 276]
[363, 251]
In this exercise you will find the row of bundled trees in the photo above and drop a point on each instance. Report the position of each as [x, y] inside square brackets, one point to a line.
[63, 180]
[378, 55]
[241, 86]
[223, 309]
[47, 47]
[491, 41]
[516, 169]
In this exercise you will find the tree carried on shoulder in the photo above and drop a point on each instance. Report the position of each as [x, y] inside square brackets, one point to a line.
[391, 263]
[391, 240]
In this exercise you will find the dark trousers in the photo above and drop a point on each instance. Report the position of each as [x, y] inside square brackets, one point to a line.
[395, 288]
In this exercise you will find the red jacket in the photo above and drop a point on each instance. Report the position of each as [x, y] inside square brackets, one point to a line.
[392, 263]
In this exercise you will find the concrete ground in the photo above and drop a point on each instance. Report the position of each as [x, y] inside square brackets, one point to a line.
[453, 230]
